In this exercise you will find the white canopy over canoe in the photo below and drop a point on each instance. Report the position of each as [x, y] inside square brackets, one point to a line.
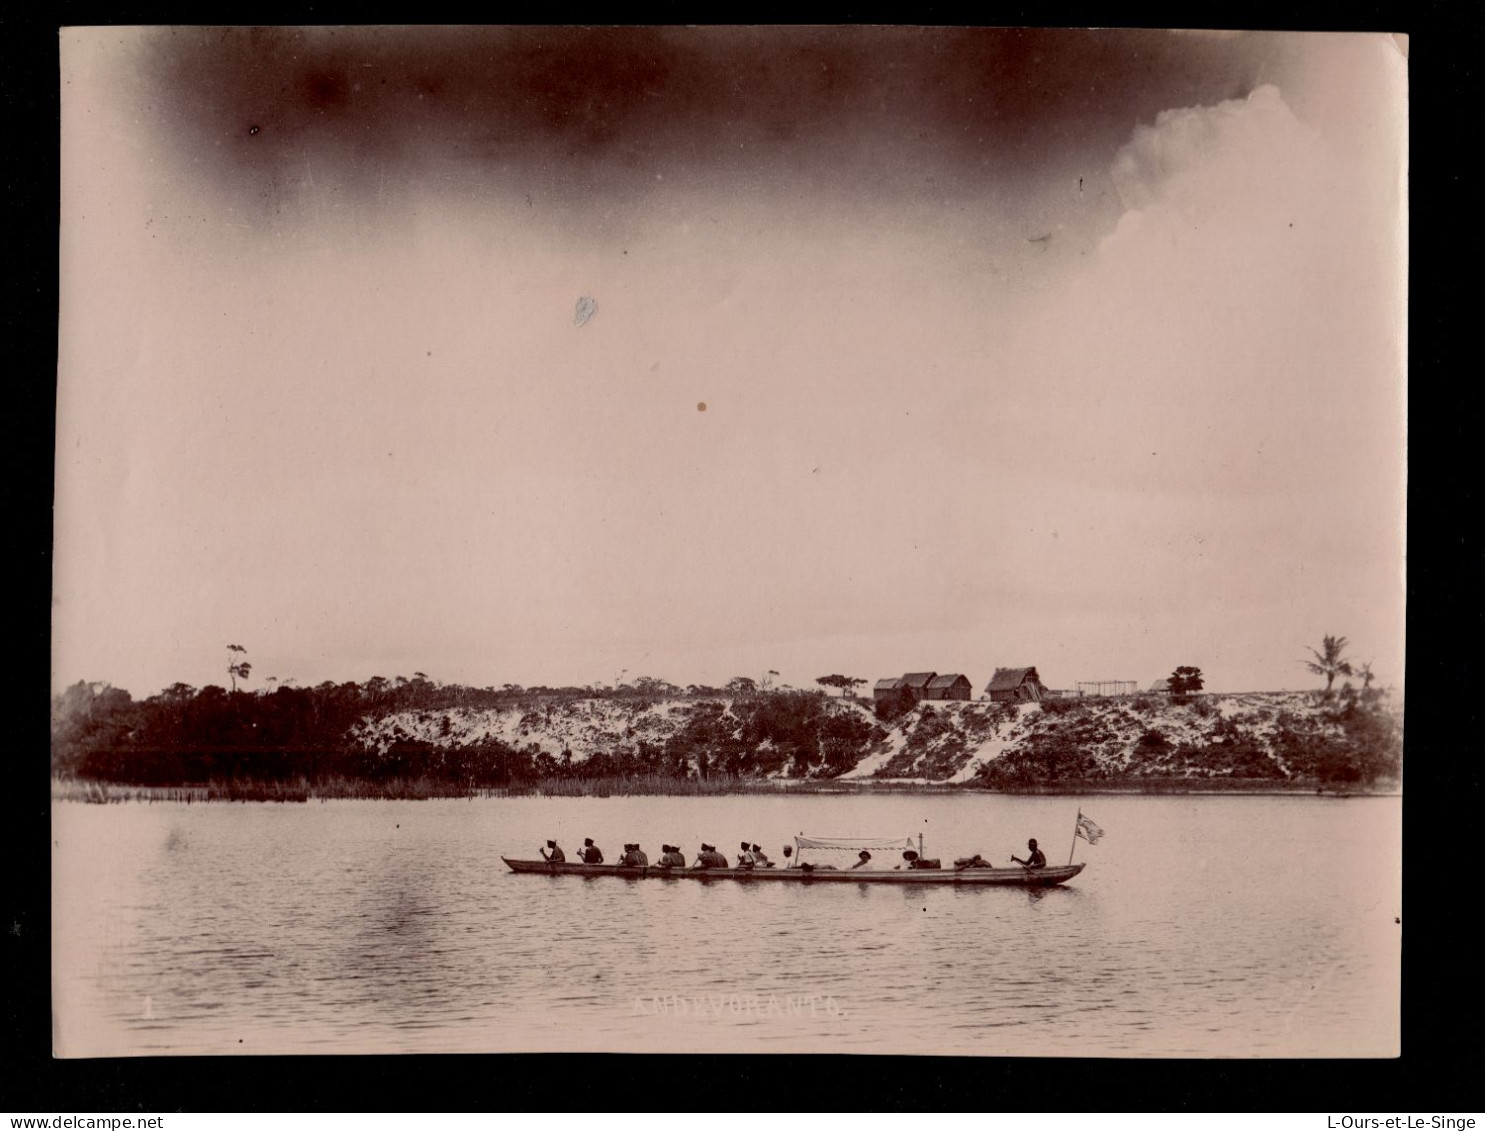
[853, 843]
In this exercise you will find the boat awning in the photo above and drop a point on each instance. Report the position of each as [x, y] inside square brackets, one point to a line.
[853, 843]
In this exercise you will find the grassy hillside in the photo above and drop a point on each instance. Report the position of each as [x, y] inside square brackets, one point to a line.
[423, 739]
[1260, 735]
[1274, 735]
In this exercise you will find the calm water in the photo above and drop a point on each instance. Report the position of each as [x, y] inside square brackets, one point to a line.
[1206, 926]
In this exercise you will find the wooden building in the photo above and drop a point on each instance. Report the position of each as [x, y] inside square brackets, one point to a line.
[916, 684]
[886, 689]
[951, 686]
[1015, 685]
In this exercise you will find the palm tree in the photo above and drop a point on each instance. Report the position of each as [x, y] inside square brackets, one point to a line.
[1366, 675]
[1328, 660]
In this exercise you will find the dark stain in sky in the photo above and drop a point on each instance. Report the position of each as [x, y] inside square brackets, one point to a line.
[600, 111]
[325, 90]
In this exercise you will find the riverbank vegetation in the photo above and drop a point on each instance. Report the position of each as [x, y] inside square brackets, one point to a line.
[302, 789]
[410, 738]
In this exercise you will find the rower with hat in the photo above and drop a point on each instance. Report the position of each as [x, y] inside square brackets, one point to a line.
[759, 858]
[591, 853]
[1034, 858]
[745, 858]
[671, 857]
[634, 857]
[557, 856]
[709, 857]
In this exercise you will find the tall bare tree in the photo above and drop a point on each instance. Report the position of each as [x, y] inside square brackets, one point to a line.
[237, 669]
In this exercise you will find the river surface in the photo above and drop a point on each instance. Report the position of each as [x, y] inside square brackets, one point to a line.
[1235, 926]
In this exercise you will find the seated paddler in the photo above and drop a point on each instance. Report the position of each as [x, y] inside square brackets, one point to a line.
[1034, 857]
[759, 858]
[557, 856]
[745, 858]
[590, 853]
[634, 857]
[671, 857]
[709, 857]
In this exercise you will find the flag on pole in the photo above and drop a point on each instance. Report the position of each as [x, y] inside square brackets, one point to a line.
[1088, 830]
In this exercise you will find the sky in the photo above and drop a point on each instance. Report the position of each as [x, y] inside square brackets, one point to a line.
[561, 356]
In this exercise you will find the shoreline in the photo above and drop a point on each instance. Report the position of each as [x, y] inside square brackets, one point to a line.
[303, 791]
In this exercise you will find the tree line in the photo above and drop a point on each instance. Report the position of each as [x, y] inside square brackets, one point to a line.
[185, 734]
[746, 727]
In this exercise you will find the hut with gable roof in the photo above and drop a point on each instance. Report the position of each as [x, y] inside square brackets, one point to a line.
[886, 688]
[1016, 685]
[915, 684]
[952, 686]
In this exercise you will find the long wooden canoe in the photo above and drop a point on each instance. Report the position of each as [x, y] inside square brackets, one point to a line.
[1004, 877]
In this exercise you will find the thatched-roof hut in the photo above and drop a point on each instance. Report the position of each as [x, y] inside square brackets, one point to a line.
[1015, 685]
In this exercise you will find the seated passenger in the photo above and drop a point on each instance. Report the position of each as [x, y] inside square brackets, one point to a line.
[760, 859]
[863, 858]
[915, 861]
[745, 858]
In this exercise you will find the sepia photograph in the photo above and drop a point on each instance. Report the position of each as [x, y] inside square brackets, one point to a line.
[729, 539]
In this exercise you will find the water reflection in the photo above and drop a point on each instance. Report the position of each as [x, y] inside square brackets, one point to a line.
[377, 926]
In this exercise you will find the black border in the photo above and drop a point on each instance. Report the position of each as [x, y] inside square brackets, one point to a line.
[1440, 1045]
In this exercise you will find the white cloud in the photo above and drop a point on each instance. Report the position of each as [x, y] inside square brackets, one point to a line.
[1245, 158]
[1219, 393]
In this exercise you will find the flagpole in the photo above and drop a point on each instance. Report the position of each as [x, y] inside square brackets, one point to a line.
[1074, 846]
